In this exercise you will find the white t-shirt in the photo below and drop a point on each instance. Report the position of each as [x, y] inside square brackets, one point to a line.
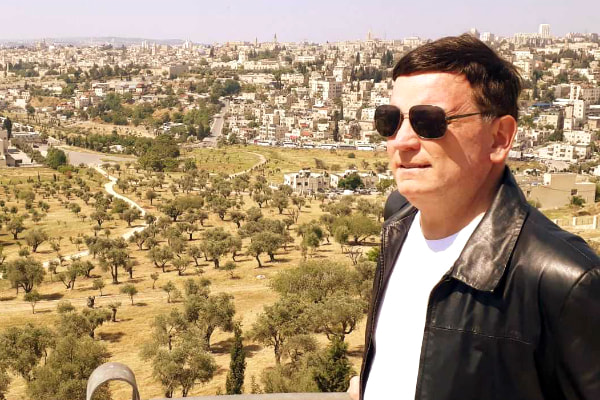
[420, 266]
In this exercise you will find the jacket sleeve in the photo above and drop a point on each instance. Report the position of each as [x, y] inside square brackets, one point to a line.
[578, 339]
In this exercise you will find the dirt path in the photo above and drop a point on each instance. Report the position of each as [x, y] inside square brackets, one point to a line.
[109, 188]
[20, 306]
[262, 158]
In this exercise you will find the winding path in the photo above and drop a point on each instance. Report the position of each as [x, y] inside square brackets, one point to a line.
[16, 306]
[262, 161]
[109, 188]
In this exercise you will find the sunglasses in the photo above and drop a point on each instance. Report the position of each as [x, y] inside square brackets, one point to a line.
[429, 122]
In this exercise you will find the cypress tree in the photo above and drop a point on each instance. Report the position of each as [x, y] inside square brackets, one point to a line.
[333, 371]
[237, 365]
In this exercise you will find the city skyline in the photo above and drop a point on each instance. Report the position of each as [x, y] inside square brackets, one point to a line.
[311, 20]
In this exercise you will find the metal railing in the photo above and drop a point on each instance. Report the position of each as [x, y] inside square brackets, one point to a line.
[113, 371]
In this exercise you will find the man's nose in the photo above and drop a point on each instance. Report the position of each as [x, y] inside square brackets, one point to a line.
[405, 139]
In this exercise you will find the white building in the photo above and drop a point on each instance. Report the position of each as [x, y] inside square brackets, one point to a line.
[305, 181]
[544, 31]
[579, 137]
[564, 152]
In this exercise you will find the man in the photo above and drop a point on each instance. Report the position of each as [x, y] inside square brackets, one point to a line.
[477, 295]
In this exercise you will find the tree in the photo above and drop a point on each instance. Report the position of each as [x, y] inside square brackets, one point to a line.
[151, 195]
[84, 323]
[337, 315]
[359, 227]
[130, 290]
[23, 348]
[15, 225]
[237, 217]
[181, 264]
[99, 216]
[169, 288]
[130, 215]
[180, 366]
[55, 158]
[315, 281]
[139, 238]
[351, 182]
[215, 243]
[154, 277]
[114, 306]
[577, 201]
[265, 242]
[67, 369]
[234, 383]
[25, 273]
[69, 276]
[230, 266]
[332, 372]
[35, 237]
[115, 256]
[32, 298]
[280, 200]
[98, 284]
[209, 313]
[280, 322]
[160, 256]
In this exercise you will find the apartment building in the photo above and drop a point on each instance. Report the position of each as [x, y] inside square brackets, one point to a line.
[557, 190]
[564, 152]
[579, 137]
[305, 181]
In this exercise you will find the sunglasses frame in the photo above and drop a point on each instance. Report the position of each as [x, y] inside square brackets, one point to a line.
[385, 114]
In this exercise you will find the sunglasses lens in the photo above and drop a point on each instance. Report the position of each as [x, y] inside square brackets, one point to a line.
[387, 120]
[429, 122]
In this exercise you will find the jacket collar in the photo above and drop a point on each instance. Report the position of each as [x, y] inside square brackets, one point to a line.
[483, 261]
[484, 258]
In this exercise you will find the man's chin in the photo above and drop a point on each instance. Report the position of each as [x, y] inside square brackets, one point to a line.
[413, 191]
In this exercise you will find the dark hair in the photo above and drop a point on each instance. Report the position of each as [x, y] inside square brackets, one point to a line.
[496, 83]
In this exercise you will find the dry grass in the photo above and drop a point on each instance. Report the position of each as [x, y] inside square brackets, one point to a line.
[284, 160]
[226, 161]
[125, 338]
[59, 221]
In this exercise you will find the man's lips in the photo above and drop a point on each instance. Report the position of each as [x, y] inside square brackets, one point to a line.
[414, 166]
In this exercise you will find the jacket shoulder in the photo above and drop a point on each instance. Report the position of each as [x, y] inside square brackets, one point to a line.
[556, 259]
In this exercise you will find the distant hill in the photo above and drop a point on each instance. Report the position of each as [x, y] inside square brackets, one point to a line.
[88, 41]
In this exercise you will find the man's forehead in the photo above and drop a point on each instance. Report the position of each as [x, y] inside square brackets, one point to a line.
[436, 88]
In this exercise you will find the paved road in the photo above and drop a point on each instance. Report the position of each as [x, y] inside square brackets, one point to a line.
[217, 128]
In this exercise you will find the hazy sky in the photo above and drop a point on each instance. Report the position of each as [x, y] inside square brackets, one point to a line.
[319, 21]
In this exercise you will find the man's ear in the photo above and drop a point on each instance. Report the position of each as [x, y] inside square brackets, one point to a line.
[504, 131]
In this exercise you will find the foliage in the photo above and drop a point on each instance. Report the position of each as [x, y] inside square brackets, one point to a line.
[333, 371]
[176, 355]
[279, 323]
[234, 382]
[210, 312]
[21, 349]
[67, 369]
[215, 243]
[351, 182]
[32, 297]
[55, 158]
[130, 290]
[358, 227]
[25, 273]
[35, 237]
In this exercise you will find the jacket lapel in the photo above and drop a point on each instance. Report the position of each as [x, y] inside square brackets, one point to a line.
[483, 261]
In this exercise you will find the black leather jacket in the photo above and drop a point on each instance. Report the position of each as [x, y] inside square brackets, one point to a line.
[516, 317]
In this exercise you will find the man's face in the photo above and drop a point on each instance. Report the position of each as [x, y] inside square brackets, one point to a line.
[445, 169]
